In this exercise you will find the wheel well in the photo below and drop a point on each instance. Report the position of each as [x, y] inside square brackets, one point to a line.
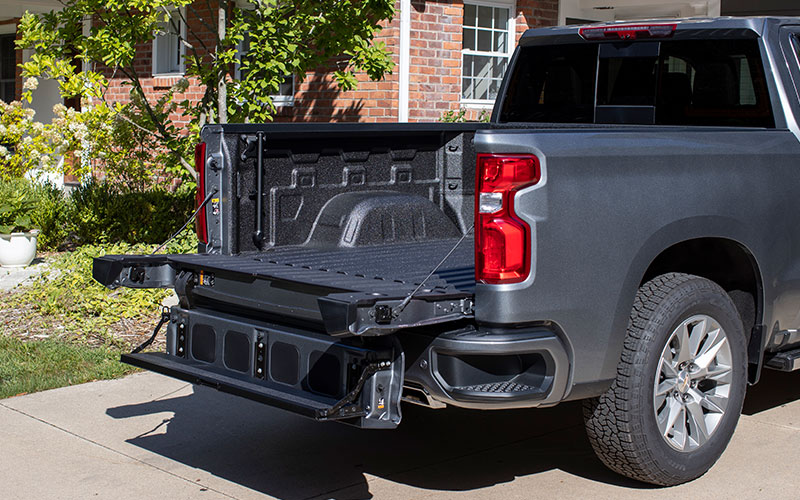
[722, 261]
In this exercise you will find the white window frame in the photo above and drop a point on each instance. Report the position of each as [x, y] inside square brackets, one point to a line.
[182, 65]
[281, 100]
[278, 100]
[511, 43]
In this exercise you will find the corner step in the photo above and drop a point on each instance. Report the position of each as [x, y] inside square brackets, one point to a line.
[788, 361]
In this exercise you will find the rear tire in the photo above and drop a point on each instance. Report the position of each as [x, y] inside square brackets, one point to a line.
[680, 384]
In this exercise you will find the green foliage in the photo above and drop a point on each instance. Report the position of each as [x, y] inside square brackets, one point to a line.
[104, 213]
[460, 116]
[100, 212]
[283, 38]
[17, 204]
[51, 215]
[27, 367]
[85, 308]
[70, 290]
[292, 38]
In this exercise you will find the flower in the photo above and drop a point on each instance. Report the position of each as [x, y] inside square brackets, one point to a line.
[30, 83]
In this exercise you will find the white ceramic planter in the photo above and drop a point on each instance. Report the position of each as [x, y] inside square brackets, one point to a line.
[18, 249]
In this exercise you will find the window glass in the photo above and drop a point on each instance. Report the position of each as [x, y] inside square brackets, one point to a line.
[552, 84]
[486, 51]
[713, 82]
[691, 82]
[8, 65]
[167, 46]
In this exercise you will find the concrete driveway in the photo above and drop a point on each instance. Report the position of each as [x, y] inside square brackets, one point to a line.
[148, 436]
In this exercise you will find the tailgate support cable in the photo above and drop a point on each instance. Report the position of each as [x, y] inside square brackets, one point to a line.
[164, 319]
[188, 221]
[402, 305]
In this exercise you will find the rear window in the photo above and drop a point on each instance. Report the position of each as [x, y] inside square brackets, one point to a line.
[692, 82]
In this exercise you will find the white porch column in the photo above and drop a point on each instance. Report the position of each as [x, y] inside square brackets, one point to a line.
[405, 60]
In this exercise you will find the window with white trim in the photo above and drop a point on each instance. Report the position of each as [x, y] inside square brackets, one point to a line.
[168, 51]
[488, 40]
[286, 90]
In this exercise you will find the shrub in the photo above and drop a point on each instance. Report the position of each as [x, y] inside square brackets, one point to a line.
[100, 213]
[17, 203]
[51, 216]
[103, 213]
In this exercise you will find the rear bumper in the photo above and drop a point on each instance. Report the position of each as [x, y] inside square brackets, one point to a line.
[489, 369]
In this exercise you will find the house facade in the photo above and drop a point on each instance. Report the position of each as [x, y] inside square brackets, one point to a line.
[449, 54]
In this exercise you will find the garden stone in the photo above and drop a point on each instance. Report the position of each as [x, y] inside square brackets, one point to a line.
[11, 277]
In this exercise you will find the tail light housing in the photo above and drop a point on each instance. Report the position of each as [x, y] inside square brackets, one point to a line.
[502, 239]
[200, 195]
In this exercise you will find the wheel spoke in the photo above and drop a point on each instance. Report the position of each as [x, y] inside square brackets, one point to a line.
[683, 344]
[709, 353]
[679, 431]
[664, 387]
[697, 336]
[675, 411]
[697, 422]
[669, 370]
[716, 404]
[720, 373]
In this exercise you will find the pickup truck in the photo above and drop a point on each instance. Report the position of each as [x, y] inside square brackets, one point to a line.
[623, 232]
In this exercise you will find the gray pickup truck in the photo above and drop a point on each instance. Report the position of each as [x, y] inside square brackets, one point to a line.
[623, 232]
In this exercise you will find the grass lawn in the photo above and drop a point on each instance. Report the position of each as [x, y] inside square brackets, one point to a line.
[31, 366]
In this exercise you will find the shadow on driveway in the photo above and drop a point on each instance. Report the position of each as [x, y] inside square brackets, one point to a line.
[289, 457]
[774, 389]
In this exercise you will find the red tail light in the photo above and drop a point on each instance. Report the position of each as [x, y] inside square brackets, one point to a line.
[502, 240]
[200, 195]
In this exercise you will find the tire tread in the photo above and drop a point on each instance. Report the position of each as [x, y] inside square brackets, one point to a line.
[608, 418]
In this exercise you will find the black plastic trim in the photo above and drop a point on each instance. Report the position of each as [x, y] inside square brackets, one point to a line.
[195, 374]
[469, 341]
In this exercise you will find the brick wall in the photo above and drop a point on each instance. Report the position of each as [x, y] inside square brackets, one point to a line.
[436, 42]
[435, 73]
[198, 18]
[318, 98]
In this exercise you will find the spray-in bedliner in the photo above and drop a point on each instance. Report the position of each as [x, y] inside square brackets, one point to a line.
[385, 269]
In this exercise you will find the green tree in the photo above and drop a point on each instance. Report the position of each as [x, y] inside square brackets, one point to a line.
[282, 38]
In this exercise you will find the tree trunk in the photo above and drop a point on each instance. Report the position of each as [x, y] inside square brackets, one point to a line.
[222, 90]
